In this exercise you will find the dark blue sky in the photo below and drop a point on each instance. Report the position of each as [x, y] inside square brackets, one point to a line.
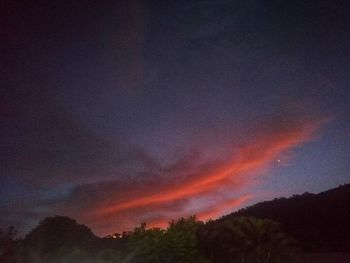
[121, 112]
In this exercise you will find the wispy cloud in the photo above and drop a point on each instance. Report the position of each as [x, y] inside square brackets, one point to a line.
[219, 209]
[165, 195]
[113, 186]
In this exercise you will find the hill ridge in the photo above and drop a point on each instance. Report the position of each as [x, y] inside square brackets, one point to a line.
[320, 221]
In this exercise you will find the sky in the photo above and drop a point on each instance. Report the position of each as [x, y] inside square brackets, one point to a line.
[121, 112]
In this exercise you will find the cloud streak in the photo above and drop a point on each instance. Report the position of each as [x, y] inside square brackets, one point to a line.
[167, 195]
[250, 157]
[113, 186]
[219, 209]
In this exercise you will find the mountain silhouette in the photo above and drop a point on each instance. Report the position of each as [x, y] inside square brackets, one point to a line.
[321, 222]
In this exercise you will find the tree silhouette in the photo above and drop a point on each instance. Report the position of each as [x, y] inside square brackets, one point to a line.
[181, 240]
[303, 216]
[109, 256]
[9, 245]
[178, 243]
[147, 245]
[246, 240]
[56, 237]
[236, 238]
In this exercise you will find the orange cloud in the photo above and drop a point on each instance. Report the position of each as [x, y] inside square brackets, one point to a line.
[255, 155]
[206, 214]
[218, 210]
[177, 191]
[159, 222]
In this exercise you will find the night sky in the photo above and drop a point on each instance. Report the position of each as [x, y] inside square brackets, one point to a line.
[121, 112]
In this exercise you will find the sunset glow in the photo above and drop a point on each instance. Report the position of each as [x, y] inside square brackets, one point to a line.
[238, 171]
[117, 113]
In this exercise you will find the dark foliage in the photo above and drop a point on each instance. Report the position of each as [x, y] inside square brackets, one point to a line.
[177, 243]
[58, 237]
[246, 239]
[321, 222]
[9, 245]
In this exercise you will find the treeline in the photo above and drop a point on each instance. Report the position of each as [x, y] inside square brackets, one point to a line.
[321, 222]
[187, 240]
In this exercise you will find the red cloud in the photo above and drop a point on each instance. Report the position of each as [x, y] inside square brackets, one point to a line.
[217, 210]
[208, 213]
[255, 155]
[165, 197]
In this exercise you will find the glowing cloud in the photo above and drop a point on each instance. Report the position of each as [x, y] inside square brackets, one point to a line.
[163, 197]
[256, 154]
[180, 189]
[218, 210]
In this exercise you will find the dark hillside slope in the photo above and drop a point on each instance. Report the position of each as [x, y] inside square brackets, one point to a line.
[321, 222]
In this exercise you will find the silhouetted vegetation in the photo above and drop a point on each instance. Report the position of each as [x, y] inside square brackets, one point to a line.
[320, 222]
[246, 239]
[56, 236]
[61, 240]
[9, 245]
[177, 243]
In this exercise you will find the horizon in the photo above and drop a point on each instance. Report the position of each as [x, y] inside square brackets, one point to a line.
[22, 235]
